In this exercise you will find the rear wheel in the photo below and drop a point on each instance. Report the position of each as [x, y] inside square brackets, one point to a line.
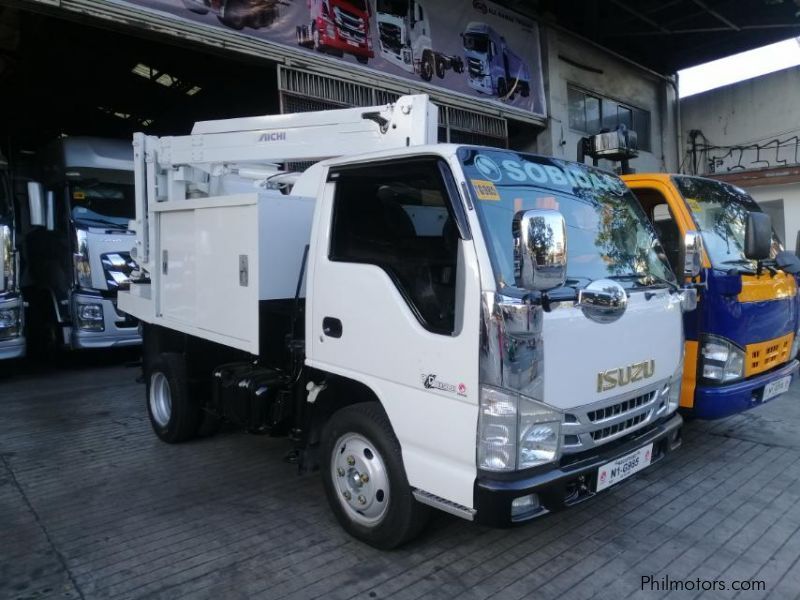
[440, 67]
[427, 67]
[174, 416]
[365, 480]
[502, 87]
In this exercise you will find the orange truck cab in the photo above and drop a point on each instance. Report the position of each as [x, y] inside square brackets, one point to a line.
[742, 341]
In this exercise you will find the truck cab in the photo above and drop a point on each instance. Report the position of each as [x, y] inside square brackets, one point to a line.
[406, 40]
[12, 339]
[76, 245]
[742, 341]
[339, 27]
[492, 66]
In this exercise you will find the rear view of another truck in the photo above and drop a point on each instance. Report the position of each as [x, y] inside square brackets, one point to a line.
[12, 340]
[742, 341]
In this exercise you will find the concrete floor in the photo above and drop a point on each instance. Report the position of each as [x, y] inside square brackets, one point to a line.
[92, 505]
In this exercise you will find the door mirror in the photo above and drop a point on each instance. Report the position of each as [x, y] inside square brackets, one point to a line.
[692, 254]
[50, 211]
[540, 249]
[36, 204]
[758, 236]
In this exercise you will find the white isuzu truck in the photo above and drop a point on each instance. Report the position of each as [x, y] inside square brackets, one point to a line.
[490, 333]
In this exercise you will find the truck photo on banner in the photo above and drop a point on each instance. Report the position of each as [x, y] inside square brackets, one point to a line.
[472, 47]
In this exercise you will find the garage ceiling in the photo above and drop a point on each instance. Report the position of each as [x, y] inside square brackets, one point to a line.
[670, 35]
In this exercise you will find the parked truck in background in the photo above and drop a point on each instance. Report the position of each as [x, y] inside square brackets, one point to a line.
[75, 245]
[742, 341]
[339, 27]
[433, 325]
[12, 339]
[406, 40]
[493, 68]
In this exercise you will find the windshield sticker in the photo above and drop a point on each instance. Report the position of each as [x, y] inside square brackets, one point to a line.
[694, 205]
[485, 190]
[76, 195]
[524, 171]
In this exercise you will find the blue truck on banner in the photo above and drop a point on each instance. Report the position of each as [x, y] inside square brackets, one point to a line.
[475, 48]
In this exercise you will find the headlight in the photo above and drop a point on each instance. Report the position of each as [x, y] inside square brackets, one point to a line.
[722, 361]
[90, 317]
[8, 275]
[673, 390]
[83, 271]
[795, 344]
[9, 323]
[515, 432]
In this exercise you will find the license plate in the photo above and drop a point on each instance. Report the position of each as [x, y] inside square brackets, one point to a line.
[775, 388]
[624, 467]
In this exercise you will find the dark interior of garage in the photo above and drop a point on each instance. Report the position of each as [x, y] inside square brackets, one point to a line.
[64, 78]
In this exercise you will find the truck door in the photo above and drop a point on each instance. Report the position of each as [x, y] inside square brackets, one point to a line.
[394, 303]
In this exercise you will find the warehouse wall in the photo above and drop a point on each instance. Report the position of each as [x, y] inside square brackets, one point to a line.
[571, 61]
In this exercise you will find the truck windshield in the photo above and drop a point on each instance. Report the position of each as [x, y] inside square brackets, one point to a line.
[608, 234]
[720, 213]
[477, 42]
[398, 8]
[102, 203]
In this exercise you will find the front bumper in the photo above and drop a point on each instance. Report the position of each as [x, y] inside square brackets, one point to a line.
[119, 330]
[568, 484]
[342, 44]
[13, 347]
[715, 402]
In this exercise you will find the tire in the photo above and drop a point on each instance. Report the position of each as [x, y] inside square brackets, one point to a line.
[192, 6]
[391, 516]
[441, 69]
[362, 59]
[427, 67]
[525, 89]
[174, 415]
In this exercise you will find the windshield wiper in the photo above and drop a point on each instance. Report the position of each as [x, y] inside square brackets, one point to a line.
[632, 276]
[103, 222]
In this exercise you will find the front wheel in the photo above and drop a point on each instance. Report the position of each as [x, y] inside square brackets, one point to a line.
[175, 417]
[364, 478]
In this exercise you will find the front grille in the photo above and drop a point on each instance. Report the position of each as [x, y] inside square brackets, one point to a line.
[617, 409]
[613, 418]
[475, 67]
[766, 355]
[390, 37]
[351, 27]
[606, 432]
[117, 269]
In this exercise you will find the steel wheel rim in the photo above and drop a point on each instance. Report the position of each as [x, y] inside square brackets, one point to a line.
[160, 399]
[360, 479]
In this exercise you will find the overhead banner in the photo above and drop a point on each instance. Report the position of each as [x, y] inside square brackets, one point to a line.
[475, 47]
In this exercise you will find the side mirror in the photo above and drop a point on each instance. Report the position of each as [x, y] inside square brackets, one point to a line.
[758, 236]
[540, 249]
[36, 208]
[692, 254]
[50, 211]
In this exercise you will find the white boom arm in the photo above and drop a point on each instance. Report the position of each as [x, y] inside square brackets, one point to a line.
[252, 147]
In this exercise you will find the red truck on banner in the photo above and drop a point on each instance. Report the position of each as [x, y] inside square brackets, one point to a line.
[338, 27]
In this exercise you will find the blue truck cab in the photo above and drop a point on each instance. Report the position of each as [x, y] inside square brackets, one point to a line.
[493, 68]
[742, 341]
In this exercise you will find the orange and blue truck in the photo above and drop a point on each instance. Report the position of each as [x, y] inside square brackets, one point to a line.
[741, 343]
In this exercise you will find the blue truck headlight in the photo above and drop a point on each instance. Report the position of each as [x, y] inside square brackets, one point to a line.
[722, 361]
[515, 432]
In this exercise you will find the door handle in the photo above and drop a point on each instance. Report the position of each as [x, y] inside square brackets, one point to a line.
[332, 327]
